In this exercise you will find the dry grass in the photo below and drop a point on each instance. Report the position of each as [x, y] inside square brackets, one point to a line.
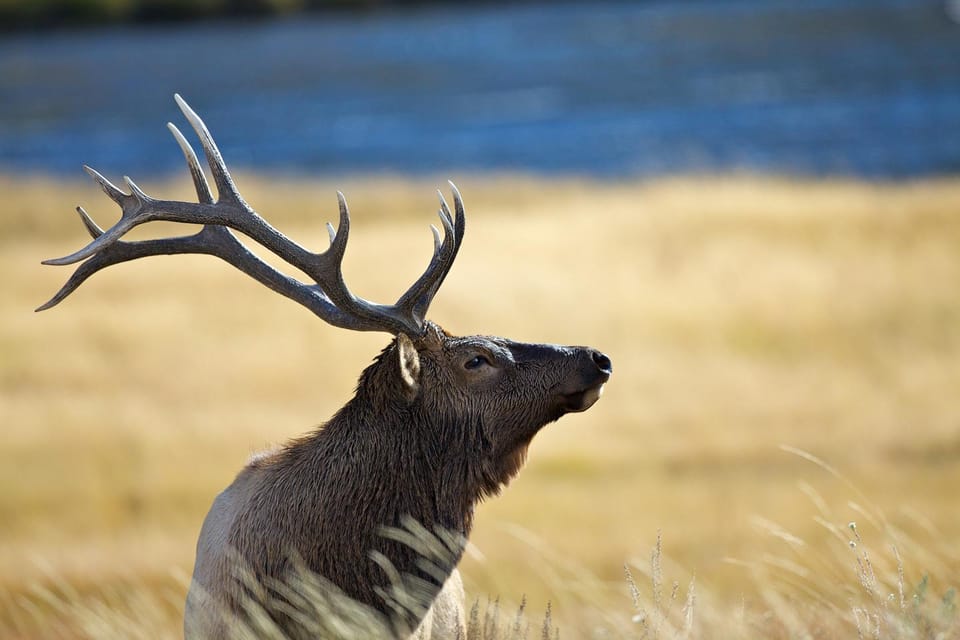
[740, 313]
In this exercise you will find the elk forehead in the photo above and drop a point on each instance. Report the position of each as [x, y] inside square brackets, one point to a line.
[496, 347]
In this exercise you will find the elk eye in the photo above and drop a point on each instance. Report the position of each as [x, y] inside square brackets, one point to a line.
[476, 362]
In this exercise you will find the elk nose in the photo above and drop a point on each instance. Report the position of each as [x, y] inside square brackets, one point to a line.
[602, 361]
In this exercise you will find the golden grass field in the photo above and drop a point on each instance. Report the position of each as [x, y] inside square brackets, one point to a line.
[763, 332]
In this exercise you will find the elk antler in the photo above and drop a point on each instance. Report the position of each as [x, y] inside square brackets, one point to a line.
[329, 297]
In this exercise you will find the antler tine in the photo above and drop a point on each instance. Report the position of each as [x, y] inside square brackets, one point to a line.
[199, 179]
[112, 191]
[136, 191]
[460, 222]
[338, 241]
[458, 204]
[221, 177]
[92, 227]
[130, 206]
[418, 297]
[329, 275]
[83, 272]
[105, 239]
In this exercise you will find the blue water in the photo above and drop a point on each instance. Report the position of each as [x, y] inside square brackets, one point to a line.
[868, 88]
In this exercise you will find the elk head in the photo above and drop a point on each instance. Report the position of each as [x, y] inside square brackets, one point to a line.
[490, 395]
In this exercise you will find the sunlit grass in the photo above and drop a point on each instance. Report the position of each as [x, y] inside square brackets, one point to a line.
[740, 314]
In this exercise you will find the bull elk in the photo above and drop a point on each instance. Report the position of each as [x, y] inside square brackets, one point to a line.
[438, 423]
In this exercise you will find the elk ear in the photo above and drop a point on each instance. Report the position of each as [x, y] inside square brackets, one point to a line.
[409, 366]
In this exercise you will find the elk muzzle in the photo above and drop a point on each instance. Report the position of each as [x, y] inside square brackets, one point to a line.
[586, 386]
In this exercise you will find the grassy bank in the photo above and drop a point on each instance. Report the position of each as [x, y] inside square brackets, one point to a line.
[741, 314]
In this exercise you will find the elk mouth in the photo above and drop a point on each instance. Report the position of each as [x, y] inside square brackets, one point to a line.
[582, 400]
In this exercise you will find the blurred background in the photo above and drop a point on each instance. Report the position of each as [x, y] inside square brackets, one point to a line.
[596, 89]
[752, 206]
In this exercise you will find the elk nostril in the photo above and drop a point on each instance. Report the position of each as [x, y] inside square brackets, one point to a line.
[602, 362]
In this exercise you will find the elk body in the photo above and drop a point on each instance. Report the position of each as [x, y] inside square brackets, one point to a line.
[374, 507]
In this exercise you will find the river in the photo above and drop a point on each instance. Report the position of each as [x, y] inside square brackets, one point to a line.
[821, 87]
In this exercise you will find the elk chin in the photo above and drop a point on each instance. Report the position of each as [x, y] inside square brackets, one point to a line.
[580, 401]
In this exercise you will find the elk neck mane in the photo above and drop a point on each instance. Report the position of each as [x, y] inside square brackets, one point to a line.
[422, 457]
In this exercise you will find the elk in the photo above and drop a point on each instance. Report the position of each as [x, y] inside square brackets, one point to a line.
[437, 423]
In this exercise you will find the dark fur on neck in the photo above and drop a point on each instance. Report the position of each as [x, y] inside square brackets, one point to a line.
[379, 460]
